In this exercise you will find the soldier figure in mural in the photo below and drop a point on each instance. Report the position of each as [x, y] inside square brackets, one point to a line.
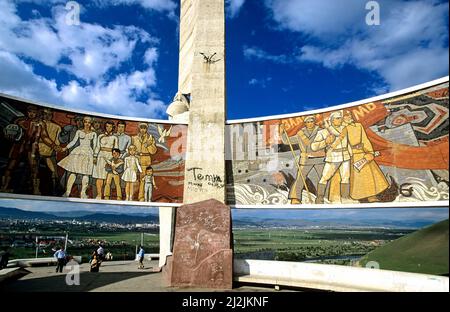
[106, 142]
[49, 145]
[334, 140]
[25, 132]
[366, 178]
[80, 160]
[309, 159]
[145, 147]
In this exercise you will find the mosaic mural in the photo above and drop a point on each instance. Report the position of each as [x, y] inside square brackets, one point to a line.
[393, 150]
[53, 152]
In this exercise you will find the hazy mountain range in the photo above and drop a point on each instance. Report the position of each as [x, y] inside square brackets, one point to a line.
[14, 213]
[242, 219]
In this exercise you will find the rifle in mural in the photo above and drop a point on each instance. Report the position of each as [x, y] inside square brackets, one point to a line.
[297, 163]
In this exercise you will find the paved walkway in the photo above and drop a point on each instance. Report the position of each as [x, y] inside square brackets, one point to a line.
[116, 276]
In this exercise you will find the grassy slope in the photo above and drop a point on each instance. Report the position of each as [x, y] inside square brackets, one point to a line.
[424, 251]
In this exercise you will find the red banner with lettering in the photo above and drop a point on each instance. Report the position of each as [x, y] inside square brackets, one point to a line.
[433, 156]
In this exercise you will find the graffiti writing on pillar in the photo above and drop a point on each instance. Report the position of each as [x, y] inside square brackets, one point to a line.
[200, 178]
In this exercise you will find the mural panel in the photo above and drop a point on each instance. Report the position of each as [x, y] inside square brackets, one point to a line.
[392, 150]
[53, 152]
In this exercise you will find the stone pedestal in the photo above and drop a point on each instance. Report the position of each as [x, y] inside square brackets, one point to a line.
[202, 251]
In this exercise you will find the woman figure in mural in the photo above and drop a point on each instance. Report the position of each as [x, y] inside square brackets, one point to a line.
[334, 140]
[366, 178]
[145, 147]
[309, 159]
[130, 174]
[80, 161]
[106, 142]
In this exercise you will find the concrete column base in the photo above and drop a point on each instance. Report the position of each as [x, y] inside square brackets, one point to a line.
[166, 230]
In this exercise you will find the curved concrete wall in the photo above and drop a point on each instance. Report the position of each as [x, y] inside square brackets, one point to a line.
[335, 277]
[53, 153]
[388, 151]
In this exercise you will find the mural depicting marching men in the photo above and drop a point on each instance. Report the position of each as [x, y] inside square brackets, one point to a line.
[392, 150]
[52, 152]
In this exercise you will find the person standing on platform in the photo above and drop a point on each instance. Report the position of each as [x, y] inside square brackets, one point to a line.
[141, 255]
[60, 255]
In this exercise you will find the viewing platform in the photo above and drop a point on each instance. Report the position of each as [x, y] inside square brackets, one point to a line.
[114, 276]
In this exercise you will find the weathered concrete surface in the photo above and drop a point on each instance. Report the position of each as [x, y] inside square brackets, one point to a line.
[202, 35]
[116, 276]
[188, 18]
[202, 252]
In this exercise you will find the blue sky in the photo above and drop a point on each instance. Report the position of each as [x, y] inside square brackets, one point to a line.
[283, 56]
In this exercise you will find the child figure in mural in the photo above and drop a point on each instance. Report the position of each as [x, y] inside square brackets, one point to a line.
[102, 153]
[149, 182]
[130, 174]
[114, 167]
[80, 160]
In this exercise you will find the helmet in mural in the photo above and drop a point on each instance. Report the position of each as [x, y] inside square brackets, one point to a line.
[13, 132]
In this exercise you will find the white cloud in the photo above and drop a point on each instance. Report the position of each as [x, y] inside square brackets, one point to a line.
[116, 97]
[18, 78]
[89, 52]
[157, 5]
[322, 18]
[410, 45]
[92, 50]
[234, 7]
[255, 53]
[151, 56]
[263, 82]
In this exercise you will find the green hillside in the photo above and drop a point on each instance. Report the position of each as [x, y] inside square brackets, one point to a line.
[423, 251]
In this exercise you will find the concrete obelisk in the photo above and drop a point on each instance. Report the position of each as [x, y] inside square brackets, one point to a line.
[202, 251]
[201, 102]
[202, 39]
